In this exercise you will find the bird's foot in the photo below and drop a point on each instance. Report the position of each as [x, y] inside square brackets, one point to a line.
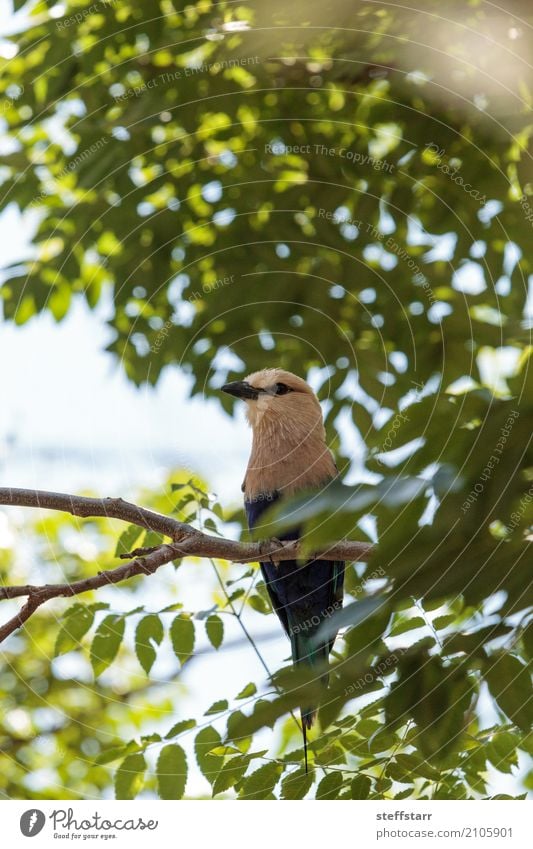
[270, 554]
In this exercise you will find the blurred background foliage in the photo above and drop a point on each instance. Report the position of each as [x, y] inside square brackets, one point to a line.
[337, 188]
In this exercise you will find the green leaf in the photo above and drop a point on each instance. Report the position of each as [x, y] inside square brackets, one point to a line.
[297, 784]
[506, 796]
[106, 642]
[441, 622]
[171, 772]
[527, 637]
[474, 765]
[129, 776]
[248, 691]
[259, 604]
[368, 727]
[225, 751]
[472, 642]
[217, 707]
[179, 727]
[260, 784]
[360, 787]
[330, 786]
[230, 774]
[148, 739]
[411, 765]
[215, 630]
[236, 594]
[367, 637]
[502, 751]
[235, 723]
[510, 684]
[148, 631]
[78, 620]
[127, 539]
[116, 752]
[435, 696]
[354, 614]
[247, 574]
[152, 538]
[405, 794]
[182, 637]
[265, 712]
[382, 741]
[206, 740]
[403, 625]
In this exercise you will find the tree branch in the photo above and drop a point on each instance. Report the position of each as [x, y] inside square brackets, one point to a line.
[186, 541]
[110, 508]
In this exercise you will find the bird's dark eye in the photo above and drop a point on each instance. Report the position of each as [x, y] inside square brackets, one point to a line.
[282, 389]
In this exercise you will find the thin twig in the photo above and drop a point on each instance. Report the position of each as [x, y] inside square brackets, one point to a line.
[79, 505]
[39, 595]
[238, 617]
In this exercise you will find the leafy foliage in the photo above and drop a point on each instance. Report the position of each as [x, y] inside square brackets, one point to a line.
[171, 772]
[182, 636]
[215, 630]
[148, 635]
[128, 778]
[78, 620]
[106, 642]
[401, 718]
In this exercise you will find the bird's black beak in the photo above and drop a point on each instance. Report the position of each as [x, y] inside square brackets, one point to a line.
[241, 389]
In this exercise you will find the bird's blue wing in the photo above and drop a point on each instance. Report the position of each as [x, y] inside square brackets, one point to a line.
[254, 510]
[302, 596]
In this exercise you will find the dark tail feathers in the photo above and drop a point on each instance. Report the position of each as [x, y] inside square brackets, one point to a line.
[306, 653]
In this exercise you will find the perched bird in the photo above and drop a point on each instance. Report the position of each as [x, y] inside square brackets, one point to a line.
[289, 454]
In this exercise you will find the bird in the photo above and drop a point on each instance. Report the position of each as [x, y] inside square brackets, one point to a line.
[289, 455]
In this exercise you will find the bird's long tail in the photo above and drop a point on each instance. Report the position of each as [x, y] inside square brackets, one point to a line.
[306, 653]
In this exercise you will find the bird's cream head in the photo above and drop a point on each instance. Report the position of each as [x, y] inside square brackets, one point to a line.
[277, 398]
[289, 450]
